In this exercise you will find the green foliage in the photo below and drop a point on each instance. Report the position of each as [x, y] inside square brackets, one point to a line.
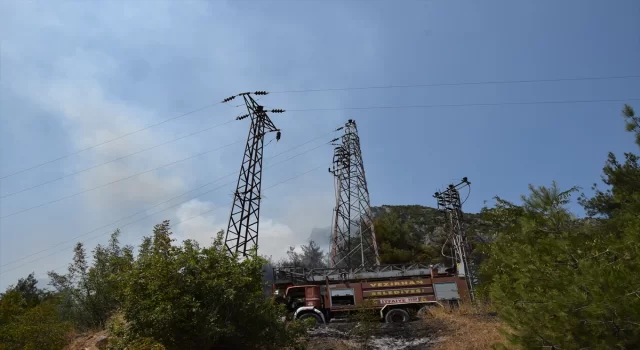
[30, 319]
[414, 233]
[399, 240]
[39, 327]
[121, 338]
[90, 294]
[168, 297]
[31, 294]
[565, 282]
[632, 122]
[191, 297]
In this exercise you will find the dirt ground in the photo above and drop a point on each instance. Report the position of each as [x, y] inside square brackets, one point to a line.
[443, 330]
[463, 329]
[89, 341]
[410, 336]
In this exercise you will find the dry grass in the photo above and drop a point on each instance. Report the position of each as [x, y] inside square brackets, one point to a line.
[468, 328]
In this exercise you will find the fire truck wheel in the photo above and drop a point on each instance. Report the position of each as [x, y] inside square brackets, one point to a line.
[313, 316]
[396, 316]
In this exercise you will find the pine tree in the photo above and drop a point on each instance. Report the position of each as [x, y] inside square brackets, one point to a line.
[565, 282]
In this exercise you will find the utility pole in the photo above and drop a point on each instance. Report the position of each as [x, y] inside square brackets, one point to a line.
[353, 239]
[449, 203]
[242, 231]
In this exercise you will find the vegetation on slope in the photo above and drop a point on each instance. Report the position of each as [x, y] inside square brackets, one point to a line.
[414, 233]
[168, 296]
[566, 283]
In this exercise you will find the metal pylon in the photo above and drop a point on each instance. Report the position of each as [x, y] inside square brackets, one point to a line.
[242, 231]
[353, 239]
[450, 204]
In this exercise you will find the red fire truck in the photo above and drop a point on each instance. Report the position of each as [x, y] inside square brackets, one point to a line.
[396, 291]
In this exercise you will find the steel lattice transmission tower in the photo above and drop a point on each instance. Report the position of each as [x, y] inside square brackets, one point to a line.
[353, 239]
[449, 203]
[242, 231]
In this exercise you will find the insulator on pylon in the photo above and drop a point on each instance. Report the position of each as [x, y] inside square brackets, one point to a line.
[228, 99]
[278, 134]
[260, 93]
[334, 140]
[242, 117]
[340, 128]
[277, 111]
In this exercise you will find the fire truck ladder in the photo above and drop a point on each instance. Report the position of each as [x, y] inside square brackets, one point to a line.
[301, 275]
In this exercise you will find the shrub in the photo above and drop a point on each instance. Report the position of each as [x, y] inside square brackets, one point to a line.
[191, 297]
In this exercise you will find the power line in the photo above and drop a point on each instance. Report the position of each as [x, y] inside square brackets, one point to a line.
[462, 105]
[327, 89]
[127, 178]
[117, 159]
[172, 226]
[338, 109]
[119, 180]
[104, 233]
[168, 200]
[110, 140]
[487, 82]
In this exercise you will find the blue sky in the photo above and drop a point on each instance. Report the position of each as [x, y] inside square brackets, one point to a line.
[74, 74]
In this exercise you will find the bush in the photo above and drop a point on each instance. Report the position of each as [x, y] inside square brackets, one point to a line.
[38, 327]
[198, 298]
[566, 282]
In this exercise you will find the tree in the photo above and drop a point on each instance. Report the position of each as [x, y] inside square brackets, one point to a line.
[632, 122]
[566, 282]
[188, 297]
[90, 294]
[398, 242]
[30, 318]
[31, 294]
[312, 256]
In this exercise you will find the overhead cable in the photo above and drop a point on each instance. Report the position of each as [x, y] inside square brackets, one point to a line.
[175, 197]
[461, 105]
[110, 140]
[178, 223]
[117, 159]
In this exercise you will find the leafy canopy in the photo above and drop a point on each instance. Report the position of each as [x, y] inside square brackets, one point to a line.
[565, 282]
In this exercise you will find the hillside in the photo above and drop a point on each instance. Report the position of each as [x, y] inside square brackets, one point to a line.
[424, 221]
[408, 233]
